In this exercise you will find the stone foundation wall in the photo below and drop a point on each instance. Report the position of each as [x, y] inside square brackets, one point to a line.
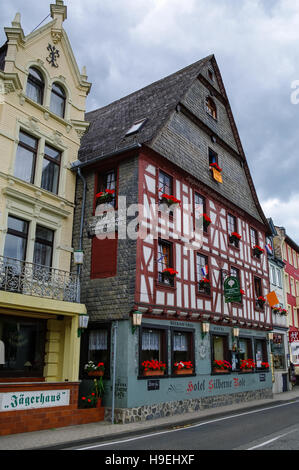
[161, 410]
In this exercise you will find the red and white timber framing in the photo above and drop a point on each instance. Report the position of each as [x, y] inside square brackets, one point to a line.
[183, 300]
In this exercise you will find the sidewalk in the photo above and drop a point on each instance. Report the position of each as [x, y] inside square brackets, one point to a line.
[56, 438]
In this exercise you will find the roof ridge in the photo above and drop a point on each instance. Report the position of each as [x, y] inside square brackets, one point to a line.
[167, 77]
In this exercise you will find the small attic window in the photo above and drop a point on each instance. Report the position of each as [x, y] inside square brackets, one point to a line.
[136, 126]
[210, 75]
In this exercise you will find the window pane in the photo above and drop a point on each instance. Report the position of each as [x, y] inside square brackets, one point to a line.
[43, 247]
[17, 224]
[52, 152]
[35, 86]
[28, 140]
[24, 345]
[50, 176]
[165, 184]
[24, 164]
[151, 345]
[15, 247]
[42, 254]
[57, 104]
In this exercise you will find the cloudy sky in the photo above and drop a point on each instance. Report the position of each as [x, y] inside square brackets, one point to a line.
[128, 44]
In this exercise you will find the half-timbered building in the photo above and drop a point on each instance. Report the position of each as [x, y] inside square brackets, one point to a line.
[196, 269]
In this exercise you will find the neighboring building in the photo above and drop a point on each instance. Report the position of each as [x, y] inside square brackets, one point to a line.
[288, 250]
[280, 343]
[41, 121]
[173, 137]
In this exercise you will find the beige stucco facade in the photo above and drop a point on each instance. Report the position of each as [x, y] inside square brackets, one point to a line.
[27, 200]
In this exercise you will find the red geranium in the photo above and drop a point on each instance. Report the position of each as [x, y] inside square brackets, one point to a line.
[215, 165]
[170, 271]
[153, 365]
[237, 235]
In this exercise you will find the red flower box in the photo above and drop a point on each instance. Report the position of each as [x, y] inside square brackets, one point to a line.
[216, 166]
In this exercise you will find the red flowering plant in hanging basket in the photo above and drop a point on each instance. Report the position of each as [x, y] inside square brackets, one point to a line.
[261, 301]
[235, 238]
[216, 166]
[206, 221]
[221, 366]
[169, 199]
[153, 367]
[105, 196]
[257, 251]
[204, 284]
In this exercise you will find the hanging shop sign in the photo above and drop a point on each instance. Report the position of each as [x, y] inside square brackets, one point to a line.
[272, 299]
[16, 401]
[232, 290]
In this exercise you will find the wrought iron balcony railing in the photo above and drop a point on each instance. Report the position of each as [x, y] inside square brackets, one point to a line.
[37, 280]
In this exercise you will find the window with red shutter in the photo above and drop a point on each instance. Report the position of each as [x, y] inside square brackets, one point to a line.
[103, 258]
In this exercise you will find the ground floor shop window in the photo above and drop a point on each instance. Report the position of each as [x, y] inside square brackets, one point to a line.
[96, 348]
[220, 354]
[152, 351]
[278, 351]
[23, 346]
[261, 356]
[182, 352]
[242, 357]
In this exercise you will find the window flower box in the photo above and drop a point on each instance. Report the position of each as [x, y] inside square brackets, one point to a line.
[94, 370]
[170, 200]
[258, 251]
[222, 367]
[235, 238]
[106, 196]
[183, 368]
[204, 285]
[153, 367]
[261, 301]
[206, 221]
[247, 365]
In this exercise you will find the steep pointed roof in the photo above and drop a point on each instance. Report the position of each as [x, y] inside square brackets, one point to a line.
[155, 102]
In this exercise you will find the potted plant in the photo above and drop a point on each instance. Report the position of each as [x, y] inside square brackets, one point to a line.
[204, 284]
[105, 196]
[276, 310]
[283, 311]
[94, 398]
[235, 238]
[169, 199]
[169, 273]
[94, 370]
[247, 365]
[206, 221]
[183, 368]
[261, 301]
[153, 367]
[257, 251]
[221, 366]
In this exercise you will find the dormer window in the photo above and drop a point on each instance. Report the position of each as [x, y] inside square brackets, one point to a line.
[35, 85]
[136, 127]
[211, 107]
[57, 104]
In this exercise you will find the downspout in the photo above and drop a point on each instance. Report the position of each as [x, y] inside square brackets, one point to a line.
[115, 326]
[81, 231]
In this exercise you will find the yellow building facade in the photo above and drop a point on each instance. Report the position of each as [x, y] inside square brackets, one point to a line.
[42, 107]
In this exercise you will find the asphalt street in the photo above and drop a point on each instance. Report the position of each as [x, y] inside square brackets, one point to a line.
[270, 427]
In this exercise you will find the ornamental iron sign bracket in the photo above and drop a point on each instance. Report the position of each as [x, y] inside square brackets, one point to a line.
[53, 55]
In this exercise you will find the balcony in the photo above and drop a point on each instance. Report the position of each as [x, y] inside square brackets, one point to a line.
[26, 278]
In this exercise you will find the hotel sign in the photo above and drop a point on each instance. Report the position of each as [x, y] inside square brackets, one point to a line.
[16, 401]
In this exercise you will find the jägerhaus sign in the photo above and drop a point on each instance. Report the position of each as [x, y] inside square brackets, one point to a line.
[232, 290]
[16, 401]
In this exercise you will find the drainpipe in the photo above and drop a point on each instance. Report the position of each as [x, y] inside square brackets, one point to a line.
[115, 326]
[81, 230]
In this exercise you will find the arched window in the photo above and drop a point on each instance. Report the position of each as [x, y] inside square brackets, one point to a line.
[211, 107]
[35, 85]
[57, 104]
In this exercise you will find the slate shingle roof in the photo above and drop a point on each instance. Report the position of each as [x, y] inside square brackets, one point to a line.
[108, 125]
